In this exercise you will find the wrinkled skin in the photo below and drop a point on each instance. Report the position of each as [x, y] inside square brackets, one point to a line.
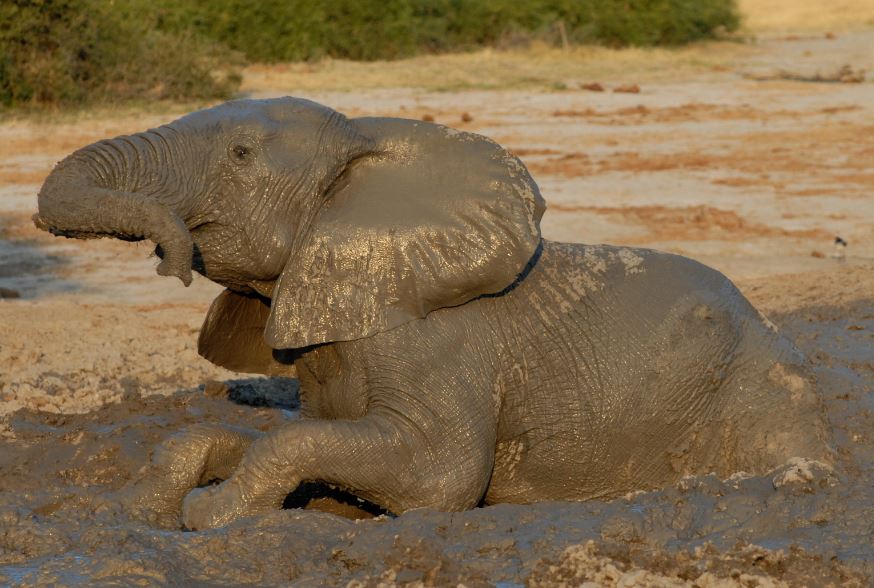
[447, 354]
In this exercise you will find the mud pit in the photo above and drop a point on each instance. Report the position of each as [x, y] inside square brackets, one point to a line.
[97, 360]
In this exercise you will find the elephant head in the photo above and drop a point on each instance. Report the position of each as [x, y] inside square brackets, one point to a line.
[322, 228]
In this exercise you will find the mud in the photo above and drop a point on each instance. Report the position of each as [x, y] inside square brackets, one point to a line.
[97, 356]
[61, 523]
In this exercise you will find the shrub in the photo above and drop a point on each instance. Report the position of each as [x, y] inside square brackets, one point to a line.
[64, 52]
[661, 22]
[294, 30]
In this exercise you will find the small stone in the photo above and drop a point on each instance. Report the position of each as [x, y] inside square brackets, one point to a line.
[627, 89]
[817, 254]
[593, 87]
[216, 389]
[427, 118]
[466, 117]
[9, 293]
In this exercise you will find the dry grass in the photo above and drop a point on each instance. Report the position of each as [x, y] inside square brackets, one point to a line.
[807, 15]
[536, 68]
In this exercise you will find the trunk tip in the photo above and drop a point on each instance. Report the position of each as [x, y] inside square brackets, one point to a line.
[184, 274]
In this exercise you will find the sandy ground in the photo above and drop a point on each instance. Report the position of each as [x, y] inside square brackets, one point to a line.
[806, 15]
[739, 164]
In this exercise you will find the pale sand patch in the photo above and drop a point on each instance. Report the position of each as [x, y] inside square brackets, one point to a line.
[807, 15]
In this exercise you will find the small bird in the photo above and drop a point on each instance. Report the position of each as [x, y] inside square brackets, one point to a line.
[840, 248]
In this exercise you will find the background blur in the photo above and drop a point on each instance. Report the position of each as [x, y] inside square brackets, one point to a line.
[74, 51]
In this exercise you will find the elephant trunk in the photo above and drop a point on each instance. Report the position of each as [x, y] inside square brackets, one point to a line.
[111, 189]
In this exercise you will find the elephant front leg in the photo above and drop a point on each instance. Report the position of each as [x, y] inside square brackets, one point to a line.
[186, 460]
[385, 462]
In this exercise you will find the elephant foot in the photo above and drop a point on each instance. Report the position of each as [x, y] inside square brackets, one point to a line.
[147, 503]
[214, 506]
[258, 485]
[219, 505]
[190, 458]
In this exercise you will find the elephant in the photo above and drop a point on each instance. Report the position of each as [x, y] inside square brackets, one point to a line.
[448, 355]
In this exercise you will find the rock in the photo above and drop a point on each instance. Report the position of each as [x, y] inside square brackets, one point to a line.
[593, 87]
[466, 117]
[846, 74]
[216, 389]
[9, 293]
[627, 89]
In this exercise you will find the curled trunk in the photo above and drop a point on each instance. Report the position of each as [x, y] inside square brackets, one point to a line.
[96, 192]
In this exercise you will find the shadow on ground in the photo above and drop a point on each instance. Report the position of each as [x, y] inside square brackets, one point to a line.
[28, 270]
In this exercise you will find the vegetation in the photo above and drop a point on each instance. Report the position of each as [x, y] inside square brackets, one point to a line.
[65, 52]
[295, 30]
[60, 52]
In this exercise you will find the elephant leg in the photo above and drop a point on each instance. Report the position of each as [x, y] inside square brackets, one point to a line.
[776, 411]
[377, 457]
[188, 459]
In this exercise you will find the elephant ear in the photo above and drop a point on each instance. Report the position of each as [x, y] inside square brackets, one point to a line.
[232, 336]
[430, 218]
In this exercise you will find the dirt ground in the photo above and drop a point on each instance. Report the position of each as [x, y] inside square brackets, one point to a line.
[752, 163]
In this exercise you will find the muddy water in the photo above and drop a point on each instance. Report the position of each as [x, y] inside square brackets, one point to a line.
[61, 524]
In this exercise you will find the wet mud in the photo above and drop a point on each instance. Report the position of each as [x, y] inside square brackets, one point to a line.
[61, 521]
[27, 267]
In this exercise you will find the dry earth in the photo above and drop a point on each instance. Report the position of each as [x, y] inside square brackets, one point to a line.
[730, 163]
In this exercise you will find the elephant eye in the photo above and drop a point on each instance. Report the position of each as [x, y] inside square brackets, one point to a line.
[240, 152]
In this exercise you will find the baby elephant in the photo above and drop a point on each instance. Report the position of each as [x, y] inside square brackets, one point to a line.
[447, 354]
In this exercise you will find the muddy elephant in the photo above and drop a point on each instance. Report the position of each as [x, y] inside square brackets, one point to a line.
[447, 354]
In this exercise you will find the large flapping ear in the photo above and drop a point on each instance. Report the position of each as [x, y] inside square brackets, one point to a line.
[232, 336]
[430, 218]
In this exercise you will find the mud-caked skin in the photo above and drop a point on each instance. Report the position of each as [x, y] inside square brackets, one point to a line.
[447, 354]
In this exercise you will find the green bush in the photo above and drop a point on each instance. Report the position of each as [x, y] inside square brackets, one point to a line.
[661, 22]
[65, 52]
[294, 30]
